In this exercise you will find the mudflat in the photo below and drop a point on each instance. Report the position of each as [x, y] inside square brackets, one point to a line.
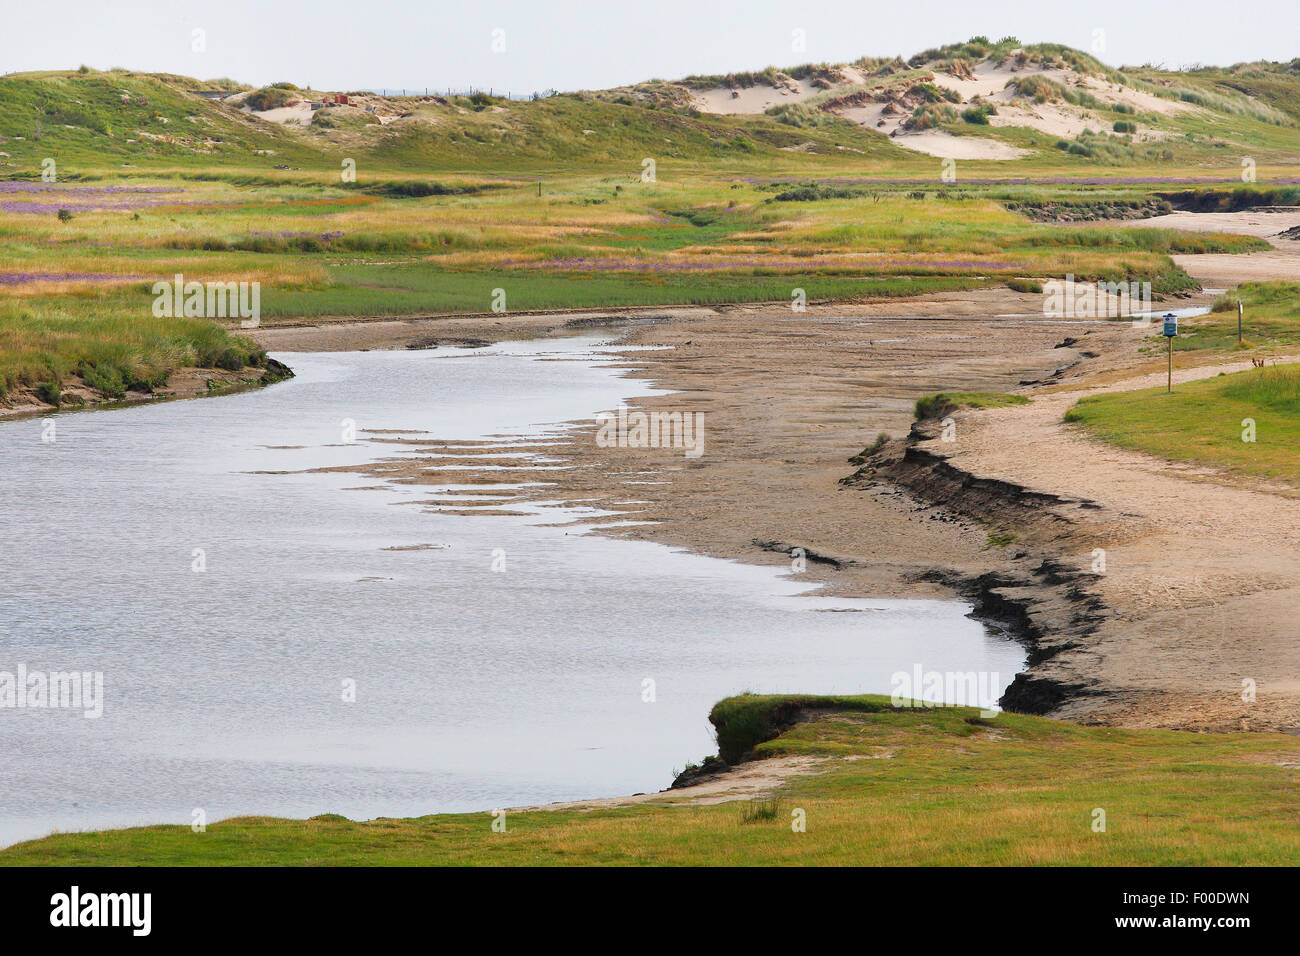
[1012, 513]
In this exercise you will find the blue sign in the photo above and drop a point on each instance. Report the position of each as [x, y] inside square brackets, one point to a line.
[1171, 325]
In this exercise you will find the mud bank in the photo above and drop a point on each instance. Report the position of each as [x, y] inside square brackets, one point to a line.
[1038, 597]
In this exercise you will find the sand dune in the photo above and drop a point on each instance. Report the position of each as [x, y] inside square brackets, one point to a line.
[987, 84]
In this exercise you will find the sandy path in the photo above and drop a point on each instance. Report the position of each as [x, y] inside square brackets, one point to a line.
[1204, 584]
[1226, 271]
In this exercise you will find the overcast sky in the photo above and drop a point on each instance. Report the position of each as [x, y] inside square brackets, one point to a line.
[564, 44]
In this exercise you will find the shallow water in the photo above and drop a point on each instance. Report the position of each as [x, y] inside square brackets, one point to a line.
[475, 688]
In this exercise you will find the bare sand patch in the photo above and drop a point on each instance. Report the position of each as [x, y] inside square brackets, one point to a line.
[1054, 119]
[948, 146]
[1264, 222]
[1225, 271]
[754, 99]
[757, 778]
[990, 80]
[300, 113]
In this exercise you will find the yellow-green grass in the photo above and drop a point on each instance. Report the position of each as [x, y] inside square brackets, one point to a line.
[923, 786]
[1246, 422]
[546, 200]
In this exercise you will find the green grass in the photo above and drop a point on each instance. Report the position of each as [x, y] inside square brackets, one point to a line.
[421, 247]
[1204, 421]
[1270, 321]
[999, 539]
[941, 403]
[861, 457]
[924, 786]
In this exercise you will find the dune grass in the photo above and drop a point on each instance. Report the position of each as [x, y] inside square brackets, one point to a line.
[893, 786]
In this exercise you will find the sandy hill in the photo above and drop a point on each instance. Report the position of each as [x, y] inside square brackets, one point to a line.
[937, 101]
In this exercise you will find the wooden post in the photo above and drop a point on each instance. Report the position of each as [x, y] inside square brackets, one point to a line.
[1240, 310]
[1170, 387]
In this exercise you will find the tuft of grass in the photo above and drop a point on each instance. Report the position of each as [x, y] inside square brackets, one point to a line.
[941, 403]
[271, 97]
[1276, 387]
[999, 539]
[760, 810]
[50, 393]
[861, 457]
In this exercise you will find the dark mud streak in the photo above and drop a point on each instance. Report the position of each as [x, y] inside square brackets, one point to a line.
[1045, 604]
[781, 547]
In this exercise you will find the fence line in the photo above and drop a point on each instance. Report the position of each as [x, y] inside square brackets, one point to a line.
[453, 91]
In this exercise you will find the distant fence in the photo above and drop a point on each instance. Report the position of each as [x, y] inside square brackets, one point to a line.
[451, 91]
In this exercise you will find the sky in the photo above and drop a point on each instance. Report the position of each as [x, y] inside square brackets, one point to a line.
[520, 47]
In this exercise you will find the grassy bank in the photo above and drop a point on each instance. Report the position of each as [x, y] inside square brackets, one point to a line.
[1245, 422]
[73, 344]
[892, 786]
[941, 403]
[1270, 321]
